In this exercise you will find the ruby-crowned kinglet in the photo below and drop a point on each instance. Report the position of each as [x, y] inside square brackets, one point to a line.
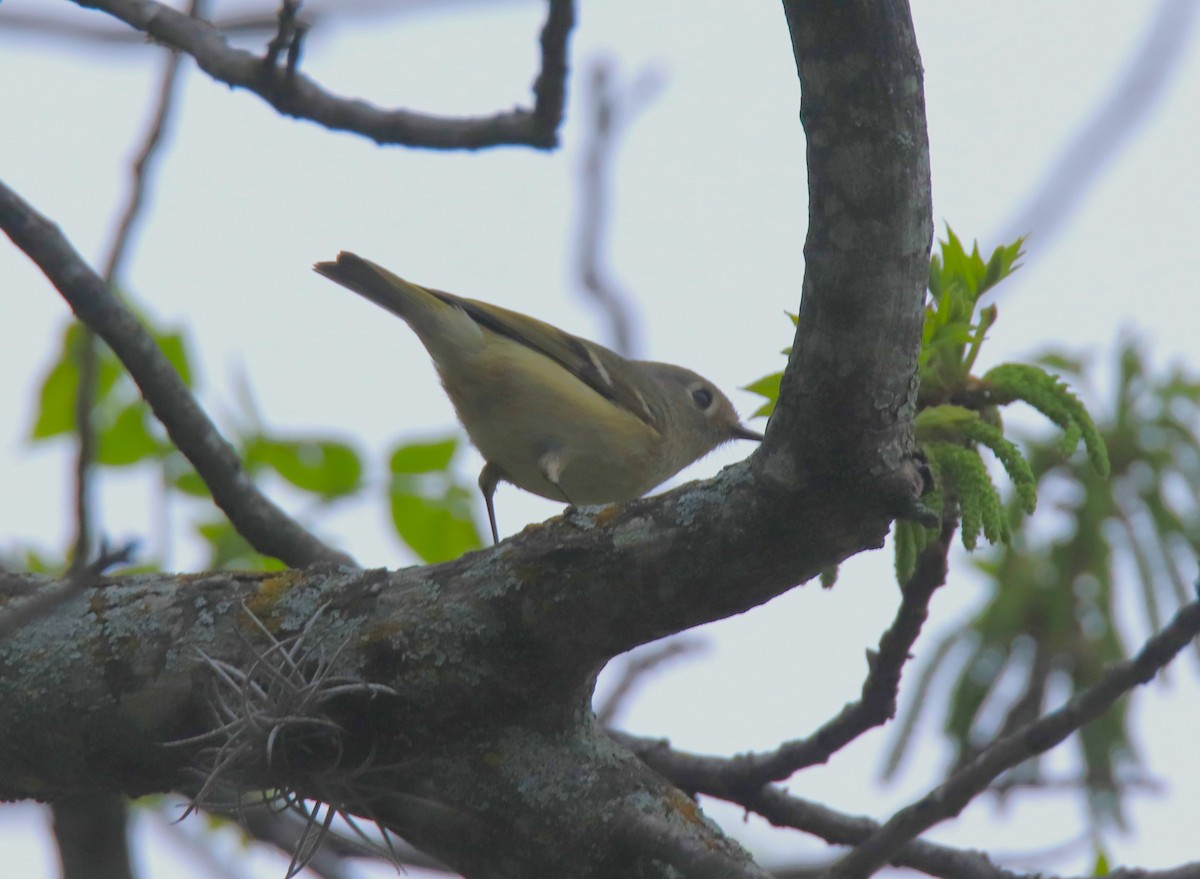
[552, 413]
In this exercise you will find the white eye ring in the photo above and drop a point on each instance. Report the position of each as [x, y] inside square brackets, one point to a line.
[702, 397]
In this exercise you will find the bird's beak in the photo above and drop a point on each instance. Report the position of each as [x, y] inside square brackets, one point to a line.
[740, 431]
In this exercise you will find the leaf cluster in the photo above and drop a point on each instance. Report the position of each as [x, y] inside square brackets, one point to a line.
[430, 505]
[1051, 623]
[958, 413]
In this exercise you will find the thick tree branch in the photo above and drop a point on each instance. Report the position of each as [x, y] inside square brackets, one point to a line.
[867, 252]
[267, 527]
[294, 94]
[80, 579]
[92, 837]
[473, 744]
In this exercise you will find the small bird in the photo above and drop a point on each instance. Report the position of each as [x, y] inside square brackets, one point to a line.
[550, 412]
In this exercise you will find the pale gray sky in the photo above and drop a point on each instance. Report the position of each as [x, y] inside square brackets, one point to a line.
[707, 235]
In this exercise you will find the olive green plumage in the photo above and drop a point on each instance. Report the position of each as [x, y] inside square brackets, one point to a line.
[552, 413]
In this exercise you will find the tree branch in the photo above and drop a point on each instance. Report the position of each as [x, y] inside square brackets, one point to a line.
[1114, 123]
[293, 94]
[949, 798]
[138, 187]
[264, 525]
[81, 578]
[866, 257]
[605, 105]
[735, 777]
[838, 828]
[636, 667]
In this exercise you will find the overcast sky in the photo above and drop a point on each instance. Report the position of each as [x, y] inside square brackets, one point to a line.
[706, 236]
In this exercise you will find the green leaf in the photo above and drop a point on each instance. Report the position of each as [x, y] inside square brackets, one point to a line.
[228, 549]
[323, 467]
[42, 562]
[189, 482]
[436, 529]
[423, 457]
[56, 402]
[127, 440]
[56, 399]
[905, 546]
[767, 386]
[174, 348]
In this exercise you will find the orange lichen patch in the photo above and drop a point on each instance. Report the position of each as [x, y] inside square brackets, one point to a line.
[685, 807]
[263, 602]
[606, 516]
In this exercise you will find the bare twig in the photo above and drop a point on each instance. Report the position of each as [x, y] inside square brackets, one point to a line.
[934, 859]
[838, 828]
[730, 778]
[85, 452]
[289, 35]
[606, 105]
[294, 94]
[80, 579]
[244, 20]
[264, 525]
[895, 841]
[143, 162]
[85, 398]
[637, 667]
[949, 798]
[1112, 126]
[550, 87]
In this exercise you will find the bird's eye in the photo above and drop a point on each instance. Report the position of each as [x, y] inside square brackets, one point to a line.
[702, 397]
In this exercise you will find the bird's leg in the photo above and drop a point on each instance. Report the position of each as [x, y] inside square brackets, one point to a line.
[489, 477]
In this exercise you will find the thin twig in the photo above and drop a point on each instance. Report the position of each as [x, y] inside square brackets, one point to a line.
[949, 798]
[143, 161]
[285, 32]
[85, 449]
[243, 21]
[596, 183]
[731, 778]
[294, 94]
[550, 87]
[637, 667]
[1114, 124]
[264, 525]
[933, 859]
[895, 841]
[87, 354]
[78, 581]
